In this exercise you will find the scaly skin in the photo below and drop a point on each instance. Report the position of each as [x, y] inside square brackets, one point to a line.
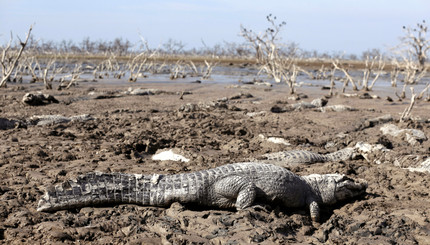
[297, 157]
[236, 185]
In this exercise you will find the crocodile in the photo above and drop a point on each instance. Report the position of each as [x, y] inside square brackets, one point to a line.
[238, 185]
[298, 157]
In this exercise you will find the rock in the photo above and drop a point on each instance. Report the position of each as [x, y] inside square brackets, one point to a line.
[275, 140]
[253, 114]
[164, 155]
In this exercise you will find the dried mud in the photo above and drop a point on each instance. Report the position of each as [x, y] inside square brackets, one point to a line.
[127, 130]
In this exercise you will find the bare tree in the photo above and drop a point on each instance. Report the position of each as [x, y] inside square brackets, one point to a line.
[416, 42]
[348, 78]
[9, 59]
[374, 66]
[394, 73]
[271, 59]
[413, 73]
[371, 54]
[173, 47]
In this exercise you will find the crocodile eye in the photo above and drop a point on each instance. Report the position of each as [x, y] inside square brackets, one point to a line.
[343, 193]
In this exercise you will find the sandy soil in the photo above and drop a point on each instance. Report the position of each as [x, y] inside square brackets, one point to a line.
[127, 130]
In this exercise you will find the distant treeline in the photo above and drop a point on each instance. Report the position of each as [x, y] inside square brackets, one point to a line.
[123, 47]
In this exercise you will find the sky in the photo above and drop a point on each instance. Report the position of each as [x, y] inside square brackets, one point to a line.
[333, 26]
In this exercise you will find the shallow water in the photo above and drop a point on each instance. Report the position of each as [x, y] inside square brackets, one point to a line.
[242, 75]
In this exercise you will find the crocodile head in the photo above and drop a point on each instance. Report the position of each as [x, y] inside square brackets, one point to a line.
[335, 188]
[44, 203]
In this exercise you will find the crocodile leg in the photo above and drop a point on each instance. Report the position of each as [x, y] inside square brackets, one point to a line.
[234, 191]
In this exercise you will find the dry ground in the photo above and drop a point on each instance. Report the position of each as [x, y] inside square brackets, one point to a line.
[128, 130]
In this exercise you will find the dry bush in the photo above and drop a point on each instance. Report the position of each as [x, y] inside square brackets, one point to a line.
[373, 66]
[203, 71]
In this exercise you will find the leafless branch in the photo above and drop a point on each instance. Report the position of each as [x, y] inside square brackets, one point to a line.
[9, 63]
[407, 112]
[336, 64]
[421, 94]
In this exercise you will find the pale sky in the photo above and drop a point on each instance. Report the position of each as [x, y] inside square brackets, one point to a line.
[326, 26]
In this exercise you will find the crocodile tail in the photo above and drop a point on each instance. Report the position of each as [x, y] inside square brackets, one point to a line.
[100, 189]
[296, 157]
[341, 155]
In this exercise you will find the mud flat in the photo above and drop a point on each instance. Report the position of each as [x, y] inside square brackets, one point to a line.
[213, 124]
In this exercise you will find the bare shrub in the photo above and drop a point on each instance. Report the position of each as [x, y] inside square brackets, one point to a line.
[374, 66]
[140, 64]
[203, 71]
[178, 70]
